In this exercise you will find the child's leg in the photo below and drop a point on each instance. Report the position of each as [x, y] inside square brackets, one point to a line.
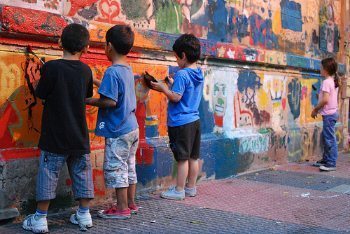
[122, 198]
[134, 137]
[193, 162]
[131, 194]
[116, 168]
[49, 168]
[192, 173]
[79, 167]
[182, 172]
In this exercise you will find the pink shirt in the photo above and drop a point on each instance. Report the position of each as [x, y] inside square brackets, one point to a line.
[328, 86]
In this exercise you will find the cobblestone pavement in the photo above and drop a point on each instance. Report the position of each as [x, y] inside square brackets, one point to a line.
[293, 198]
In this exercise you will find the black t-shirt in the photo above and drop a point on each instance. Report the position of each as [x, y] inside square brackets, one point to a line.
[64, 85]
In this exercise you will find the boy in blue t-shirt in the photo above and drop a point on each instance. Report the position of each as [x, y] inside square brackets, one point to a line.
[183, 116]
[117, 122]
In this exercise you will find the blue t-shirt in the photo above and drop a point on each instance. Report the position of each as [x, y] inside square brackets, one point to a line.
[188, 82]
[118, 85]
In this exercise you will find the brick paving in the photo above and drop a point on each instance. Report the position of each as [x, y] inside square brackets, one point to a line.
[287, 199]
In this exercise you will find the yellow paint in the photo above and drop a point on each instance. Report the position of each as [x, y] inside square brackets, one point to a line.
[262, 99]
[277, 22]
[305, 103]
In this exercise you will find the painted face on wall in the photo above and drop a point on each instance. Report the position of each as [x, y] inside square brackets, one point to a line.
[219, 103]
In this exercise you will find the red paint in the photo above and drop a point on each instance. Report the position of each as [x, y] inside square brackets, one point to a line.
[14, 154]
[79, 4]
[69, 182]
[99, 185]
[32, 21]
[144, 154]
[284, 102]
[219, 120]
[110, 10]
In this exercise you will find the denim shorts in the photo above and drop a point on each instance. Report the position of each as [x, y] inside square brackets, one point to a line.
[79, 167]
[119, 162]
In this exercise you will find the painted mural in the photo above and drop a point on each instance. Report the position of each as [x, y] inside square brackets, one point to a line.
[250, 113]
[279, 25]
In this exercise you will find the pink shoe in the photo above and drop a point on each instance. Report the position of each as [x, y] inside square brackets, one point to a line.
[133, 208]
[114, 213]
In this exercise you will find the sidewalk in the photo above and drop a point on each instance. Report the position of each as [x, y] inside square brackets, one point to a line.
[293, 198]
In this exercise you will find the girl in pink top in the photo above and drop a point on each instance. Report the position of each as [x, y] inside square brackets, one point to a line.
[328, 108]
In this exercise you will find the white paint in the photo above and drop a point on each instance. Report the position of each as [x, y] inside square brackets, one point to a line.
[220, 86]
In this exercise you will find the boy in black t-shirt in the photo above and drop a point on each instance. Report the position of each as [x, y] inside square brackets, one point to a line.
[64, 85]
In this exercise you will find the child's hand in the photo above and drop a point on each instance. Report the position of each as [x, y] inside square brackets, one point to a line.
[89, 101]
[169, 80]
[314, 114]
[158, 86]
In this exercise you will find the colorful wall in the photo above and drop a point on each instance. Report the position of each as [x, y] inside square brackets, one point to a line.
[261, 62]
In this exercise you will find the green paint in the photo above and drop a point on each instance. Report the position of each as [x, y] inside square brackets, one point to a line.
[168, 17]
[134, 9]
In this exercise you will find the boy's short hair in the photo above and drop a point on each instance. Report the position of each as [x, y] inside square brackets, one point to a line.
[75, 38]
[121, 37]
[188, 44]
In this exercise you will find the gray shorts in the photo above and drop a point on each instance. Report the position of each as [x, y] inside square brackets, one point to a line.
[119, 162]
[79, 167]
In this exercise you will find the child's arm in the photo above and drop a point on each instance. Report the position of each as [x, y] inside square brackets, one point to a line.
[97, 82]
[161, 87]
[321, 104]
[102, 102]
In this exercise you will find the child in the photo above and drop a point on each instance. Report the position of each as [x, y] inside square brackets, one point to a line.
[328, 108]
[64, 85]
[183, 116]
[117, 122]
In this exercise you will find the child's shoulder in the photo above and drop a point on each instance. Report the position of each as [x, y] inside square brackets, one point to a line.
[116, 70]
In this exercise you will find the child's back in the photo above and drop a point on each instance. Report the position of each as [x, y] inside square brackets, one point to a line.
[118, 85]
[64, 86]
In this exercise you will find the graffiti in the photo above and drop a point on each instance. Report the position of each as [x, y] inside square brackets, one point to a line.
[291, 15]
[329, 32]
[254, 144]
[248, 83]
[221, 84]
[294, 96]
[109, 12]
[73, 6]
[275, 86]
[20, 114]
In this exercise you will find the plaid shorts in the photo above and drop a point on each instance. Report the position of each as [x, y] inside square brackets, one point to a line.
[119, 162]
[79, 167]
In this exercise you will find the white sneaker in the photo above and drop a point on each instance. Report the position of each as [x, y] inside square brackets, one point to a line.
[35, 225]
[327, 168]
[173, 194]
[190, 192]
[84, 220]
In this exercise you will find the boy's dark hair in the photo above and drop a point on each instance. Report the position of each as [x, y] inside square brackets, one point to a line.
[75, 38]
[121, 37]
[188, 44]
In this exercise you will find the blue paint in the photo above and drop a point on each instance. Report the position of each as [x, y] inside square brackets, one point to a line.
[291, 15]
[261, 32]
[206, 117]
[237, 25]
[315, 86]
[248, 79]
[152, 131]
[218, 15]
